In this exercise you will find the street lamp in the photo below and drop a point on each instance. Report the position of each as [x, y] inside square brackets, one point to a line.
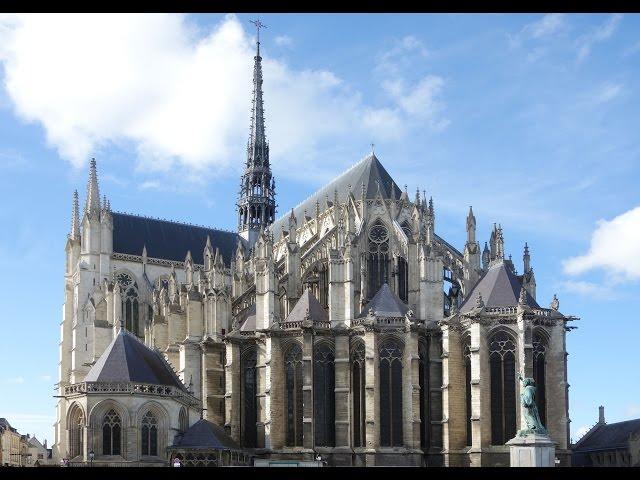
[91, 455]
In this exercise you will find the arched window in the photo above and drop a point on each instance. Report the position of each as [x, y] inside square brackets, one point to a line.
[149, 435]
[249, 399]
[403, 280]
[183, 420]
[390, 355]
[357, 387]
[76, 440]
[324, 395]
[502, 359]
[425, 386]
[130, 311]
[111, 433]
[293, 385]
[466, 353]
[539, 375]
[378, 263]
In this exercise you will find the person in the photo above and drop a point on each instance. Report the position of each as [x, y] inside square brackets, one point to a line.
[176, 462]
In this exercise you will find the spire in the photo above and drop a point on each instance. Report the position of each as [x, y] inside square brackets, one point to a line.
[75, 218]
[471, 226]
[526, 258]
[92, 206]
[256, 203]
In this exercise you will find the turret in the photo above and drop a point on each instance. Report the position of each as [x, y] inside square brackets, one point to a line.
[471, 227]
[471, 251]
[526, 259]
[431, 222]
[528, 278]
[486, 257]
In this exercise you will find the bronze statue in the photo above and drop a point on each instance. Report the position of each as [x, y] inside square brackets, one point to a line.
[531, 416]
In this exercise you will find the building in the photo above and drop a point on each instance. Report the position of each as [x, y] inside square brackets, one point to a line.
[609, 444]
[346, 328]
[38, 454]
[12, 454]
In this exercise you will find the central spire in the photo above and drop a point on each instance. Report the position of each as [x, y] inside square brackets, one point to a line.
[256, 202]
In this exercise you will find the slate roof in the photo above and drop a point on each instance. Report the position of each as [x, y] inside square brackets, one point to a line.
[307, 306]
[499, 287]
[128, 359]
[168, 240]
[247, 319]
[385, 303]
[4, 423]
[206, 435]
[608, 436]
[368, 170]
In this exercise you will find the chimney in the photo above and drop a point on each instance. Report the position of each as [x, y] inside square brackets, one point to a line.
[601, 414]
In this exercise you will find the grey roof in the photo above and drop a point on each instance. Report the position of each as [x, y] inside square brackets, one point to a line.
[4, 423]
[499, 287]
[168, 240]
[608, 436]
[307, 307]
[385, 303]
[206, 435]
[127, 359]
[368, 170]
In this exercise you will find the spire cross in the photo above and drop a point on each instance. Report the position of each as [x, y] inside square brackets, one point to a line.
[372, 148]
[258, 25]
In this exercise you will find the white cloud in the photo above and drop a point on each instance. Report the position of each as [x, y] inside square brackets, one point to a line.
[283, 41]
[608, 92]
[421, 100]
[46, 378]
[150, 185]
[632, 50]
[614, 246]
[177, 95]
[402, 54]
[587, 289]
[633, 410]
[549, 25]
[601, 33]
[16, 380]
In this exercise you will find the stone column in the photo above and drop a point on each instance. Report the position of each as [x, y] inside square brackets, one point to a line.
[307, 388]
[372, 402]
[342, 389]
[232, 394]
[525, 360]
[271, 393]
[453, 396]
[411, 391]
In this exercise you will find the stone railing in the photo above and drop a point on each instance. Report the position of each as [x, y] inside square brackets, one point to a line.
[300, 323]
[502, 310]
[131, 388]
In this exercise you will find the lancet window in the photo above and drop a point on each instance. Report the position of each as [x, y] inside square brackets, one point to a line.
[390, 355]
[539, 374]
[378, 257]
[357, 387]
[249, 398]
[76, 440]
[130, 302]
[111, 433]
[466, 353]
[149, 435]
[502, 360]
[324, 395]
[293, 386]
[425, 387]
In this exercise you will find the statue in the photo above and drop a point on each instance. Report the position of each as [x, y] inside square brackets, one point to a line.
[531, 416]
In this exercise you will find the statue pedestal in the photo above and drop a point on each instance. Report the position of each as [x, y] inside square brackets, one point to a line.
[532, 451]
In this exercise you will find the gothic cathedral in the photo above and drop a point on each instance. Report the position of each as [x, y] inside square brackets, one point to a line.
[346, 328]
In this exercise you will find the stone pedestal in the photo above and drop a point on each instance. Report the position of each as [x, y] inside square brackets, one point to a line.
[532, 451]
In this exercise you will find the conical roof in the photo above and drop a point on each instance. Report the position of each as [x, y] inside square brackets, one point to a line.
[385, 303]
[499, 287]
[307, 306]
[369, 171]
[205, 434]
[127, 359]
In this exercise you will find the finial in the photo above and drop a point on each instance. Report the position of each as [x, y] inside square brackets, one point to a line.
[372, 149]
[75, 217]
[258, 25]
[92, 205]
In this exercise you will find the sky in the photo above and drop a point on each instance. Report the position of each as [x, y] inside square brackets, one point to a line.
[532, 119]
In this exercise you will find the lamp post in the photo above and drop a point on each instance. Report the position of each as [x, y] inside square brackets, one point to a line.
[91, 455]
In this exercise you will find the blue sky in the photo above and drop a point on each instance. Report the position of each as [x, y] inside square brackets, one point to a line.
[532, 119]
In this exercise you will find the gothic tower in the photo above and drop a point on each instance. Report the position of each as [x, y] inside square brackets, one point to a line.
[256, 203]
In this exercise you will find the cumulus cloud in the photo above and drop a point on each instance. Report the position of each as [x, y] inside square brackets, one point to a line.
[421, 100]
[599, 34]
[175, 93]
[608, 92]
[401, 54]
[614, 246]
[587, 289]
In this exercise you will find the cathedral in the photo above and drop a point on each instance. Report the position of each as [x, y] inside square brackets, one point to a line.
[346, 328]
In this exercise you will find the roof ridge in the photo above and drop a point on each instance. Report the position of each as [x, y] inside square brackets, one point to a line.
[175, 222]
[334, 179]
